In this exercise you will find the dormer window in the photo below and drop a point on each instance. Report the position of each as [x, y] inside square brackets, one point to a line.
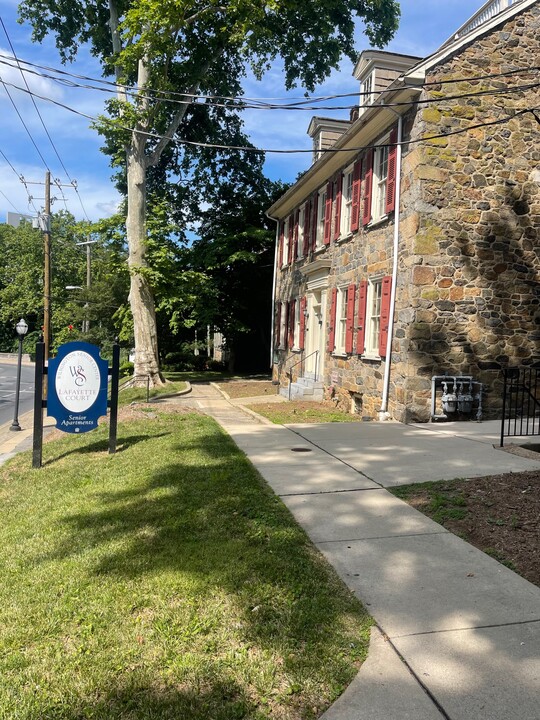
[367, 90]
[376, 70]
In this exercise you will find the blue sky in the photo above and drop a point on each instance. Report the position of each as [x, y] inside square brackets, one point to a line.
[425, 24]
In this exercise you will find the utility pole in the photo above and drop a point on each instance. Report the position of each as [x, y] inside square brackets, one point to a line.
[47, 266]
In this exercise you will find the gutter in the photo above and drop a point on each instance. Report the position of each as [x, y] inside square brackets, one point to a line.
[383, 412]
[274, 280]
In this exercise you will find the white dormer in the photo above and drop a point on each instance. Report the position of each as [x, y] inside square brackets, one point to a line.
[325, 132]
[376, 70]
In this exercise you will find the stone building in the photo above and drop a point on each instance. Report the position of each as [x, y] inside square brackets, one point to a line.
[409, 250]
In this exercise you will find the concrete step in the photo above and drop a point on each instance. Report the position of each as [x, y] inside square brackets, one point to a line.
[301, 392]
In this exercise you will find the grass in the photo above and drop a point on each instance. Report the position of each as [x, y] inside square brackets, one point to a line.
[139, 394]
[303, 412]
[163, 582]
[440, 501]
[248, 388]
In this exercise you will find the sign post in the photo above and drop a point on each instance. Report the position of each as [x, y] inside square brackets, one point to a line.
[76, 392]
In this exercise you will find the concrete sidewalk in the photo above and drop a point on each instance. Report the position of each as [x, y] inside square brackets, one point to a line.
[458, 634]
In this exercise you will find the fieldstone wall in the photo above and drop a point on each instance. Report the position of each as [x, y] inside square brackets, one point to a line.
[475, 256]
[468, 300]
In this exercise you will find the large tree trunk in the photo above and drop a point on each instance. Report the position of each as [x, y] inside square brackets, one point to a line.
[141, 297]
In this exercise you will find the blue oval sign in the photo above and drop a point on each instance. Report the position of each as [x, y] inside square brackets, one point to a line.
[77, 387]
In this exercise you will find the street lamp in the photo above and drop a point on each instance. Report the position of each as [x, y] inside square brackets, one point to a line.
[22, 328]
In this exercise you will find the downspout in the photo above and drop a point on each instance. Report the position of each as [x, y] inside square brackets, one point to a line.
[274, 291]
[383, 412]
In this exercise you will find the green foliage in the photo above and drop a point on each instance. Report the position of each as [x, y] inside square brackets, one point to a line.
[164, 48]
[21, 283]
[126, 369]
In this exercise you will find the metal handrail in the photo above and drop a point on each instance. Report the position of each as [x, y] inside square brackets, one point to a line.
[301, 362]
[129, 383]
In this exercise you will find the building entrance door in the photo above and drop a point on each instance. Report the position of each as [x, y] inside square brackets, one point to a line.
[315, 333]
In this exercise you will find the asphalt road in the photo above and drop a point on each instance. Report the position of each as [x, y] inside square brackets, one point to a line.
[8, 380]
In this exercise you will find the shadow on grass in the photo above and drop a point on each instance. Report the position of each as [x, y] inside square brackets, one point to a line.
[123, 443]
[216, 522]
[139, 699]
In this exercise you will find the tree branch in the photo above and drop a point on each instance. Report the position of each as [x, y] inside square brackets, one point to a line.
[190, 20]
[154, 157]
[117, 48]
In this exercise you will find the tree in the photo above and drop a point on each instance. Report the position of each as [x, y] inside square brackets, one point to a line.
[21, 283]
[235, 253]
[200, 49]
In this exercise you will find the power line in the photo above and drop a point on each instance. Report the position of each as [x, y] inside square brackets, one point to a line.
[44, 127]
[21, 179]
[9, 201]
[247, 148]
[169, 93]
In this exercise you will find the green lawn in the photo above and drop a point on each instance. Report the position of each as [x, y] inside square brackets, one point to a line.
[139, 394]
[300, 411]
[165, 581]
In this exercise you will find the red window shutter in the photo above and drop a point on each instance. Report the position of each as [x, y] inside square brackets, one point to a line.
[355, 209]
[337, 210]
[302, 338]
[315, 210]
[307, 227]
[291, 238]
[368, 182]
[281, 240]
[278, 324]
[295, 234]
[361, 321]
[328, 214]
[332, 325]
[385, 313]
[349, 326]
[286, 329]
[392, 166]
[292, 307]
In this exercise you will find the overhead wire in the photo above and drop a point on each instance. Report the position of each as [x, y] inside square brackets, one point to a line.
[170, 93]
[56, 181]
[181, 141]
[21, 179]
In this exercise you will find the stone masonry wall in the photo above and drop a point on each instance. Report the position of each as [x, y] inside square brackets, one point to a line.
[475, 257]
[467, 298]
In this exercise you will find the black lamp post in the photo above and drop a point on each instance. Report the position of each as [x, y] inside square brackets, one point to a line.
[22, 329]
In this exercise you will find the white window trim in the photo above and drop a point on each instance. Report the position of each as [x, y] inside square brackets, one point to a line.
[371, 351]
[341, 322]
[321, 211]
[301, 221]
[368, 99]
[285, 258]
[283, 326]
[346, 202]
[379, 186]
[296, 338]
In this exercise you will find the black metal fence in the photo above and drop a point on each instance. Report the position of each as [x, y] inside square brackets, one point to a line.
[521, 402]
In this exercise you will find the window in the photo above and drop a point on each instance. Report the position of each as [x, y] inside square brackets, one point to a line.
[380, 180]
[346, 201]
[285, 258]
[341, 320]
[321, 209]
[283, 325]
[300, 233]
[296, 336]
[373, 319]
[368, 88]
